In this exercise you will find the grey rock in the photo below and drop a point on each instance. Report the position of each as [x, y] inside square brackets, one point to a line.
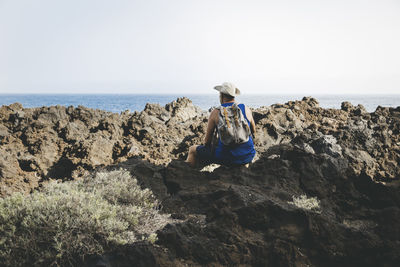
[327, 144]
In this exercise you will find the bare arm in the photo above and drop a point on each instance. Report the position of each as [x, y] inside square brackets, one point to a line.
[249, 116]
[212, 123]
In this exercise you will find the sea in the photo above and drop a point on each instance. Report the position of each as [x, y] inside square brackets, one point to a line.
[136, 102]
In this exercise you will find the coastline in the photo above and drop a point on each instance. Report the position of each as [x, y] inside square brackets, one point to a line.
[48, 139]
[342, 162]
[118, 103]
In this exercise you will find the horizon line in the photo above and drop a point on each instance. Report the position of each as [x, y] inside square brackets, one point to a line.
[190, 94]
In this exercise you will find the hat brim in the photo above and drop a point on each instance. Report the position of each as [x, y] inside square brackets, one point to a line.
[220, 88]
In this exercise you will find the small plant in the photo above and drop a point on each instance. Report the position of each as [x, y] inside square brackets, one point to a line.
[210, 168]
[64, 222]
[303, 202]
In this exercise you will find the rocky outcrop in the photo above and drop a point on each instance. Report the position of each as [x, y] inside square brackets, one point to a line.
[323, 190]
[250, 217]
[370, 141]
[37, 144]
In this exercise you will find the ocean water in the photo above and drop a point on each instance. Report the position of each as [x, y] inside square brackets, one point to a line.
[136, 102]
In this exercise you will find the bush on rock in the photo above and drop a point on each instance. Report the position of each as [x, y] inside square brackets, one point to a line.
[64, 222]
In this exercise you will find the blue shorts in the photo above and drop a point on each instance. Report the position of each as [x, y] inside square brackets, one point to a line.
[205, 155]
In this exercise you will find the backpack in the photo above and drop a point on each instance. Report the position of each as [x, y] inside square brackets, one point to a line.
[232, 125]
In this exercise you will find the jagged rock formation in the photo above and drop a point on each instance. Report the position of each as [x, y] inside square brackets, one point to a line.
[345, 161]
[37, 144]
[247, 216]
[370, 141]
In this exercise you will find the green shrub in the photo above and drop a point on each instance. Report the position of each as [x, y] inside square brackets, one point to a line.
[64, 222]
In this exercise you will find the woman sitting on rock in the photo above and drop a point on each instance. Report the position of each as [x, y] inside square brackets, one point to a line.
[234, 124]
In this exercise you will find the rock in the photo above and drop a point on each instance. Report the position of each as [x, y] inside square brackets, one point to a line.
[312, 102]
[52, 114]
[243, 216]
[83, 138]
[347, 106]
[97, 151]
[290, 115]
[75, 131]
[345, 161]
[360, 110]
[4, 132]
[182, 110]
[158, 111]
[327, 144]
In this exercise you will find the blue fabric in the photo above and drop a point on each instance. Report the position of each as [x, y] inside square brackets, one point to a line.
[229, 155]
[205, 155]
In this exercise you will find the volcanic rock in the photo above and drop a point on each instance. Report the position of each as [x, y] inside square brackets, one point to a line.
[247, 216]
[65, 142]
[323, 189]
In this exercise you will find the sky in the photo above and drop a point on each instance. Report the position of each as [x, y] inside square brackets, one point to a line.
[189, 46]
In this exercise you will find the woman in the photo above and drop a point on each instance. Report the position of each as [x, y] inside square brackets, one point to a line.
[227, 155]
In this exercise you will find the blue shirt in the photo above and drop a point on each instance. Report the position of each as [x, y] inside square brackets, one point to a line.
[237, 154]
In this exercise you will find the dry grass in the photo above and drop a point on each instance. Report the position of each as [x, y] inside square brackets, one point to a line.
[64, 222]
[304, 202]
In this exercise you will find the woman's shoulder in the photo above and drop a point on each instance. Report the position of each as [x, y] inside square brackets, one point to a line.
[215, 111]
[214, 115]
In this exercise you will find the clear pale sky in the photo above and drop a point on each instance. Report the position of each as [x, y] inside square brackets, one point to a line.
[188, 46]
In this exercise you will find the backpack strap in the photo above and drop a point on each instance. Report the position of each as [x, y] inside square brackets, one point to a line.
[226, 118]
[244, 112]
[245, 116]
[235, 114]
